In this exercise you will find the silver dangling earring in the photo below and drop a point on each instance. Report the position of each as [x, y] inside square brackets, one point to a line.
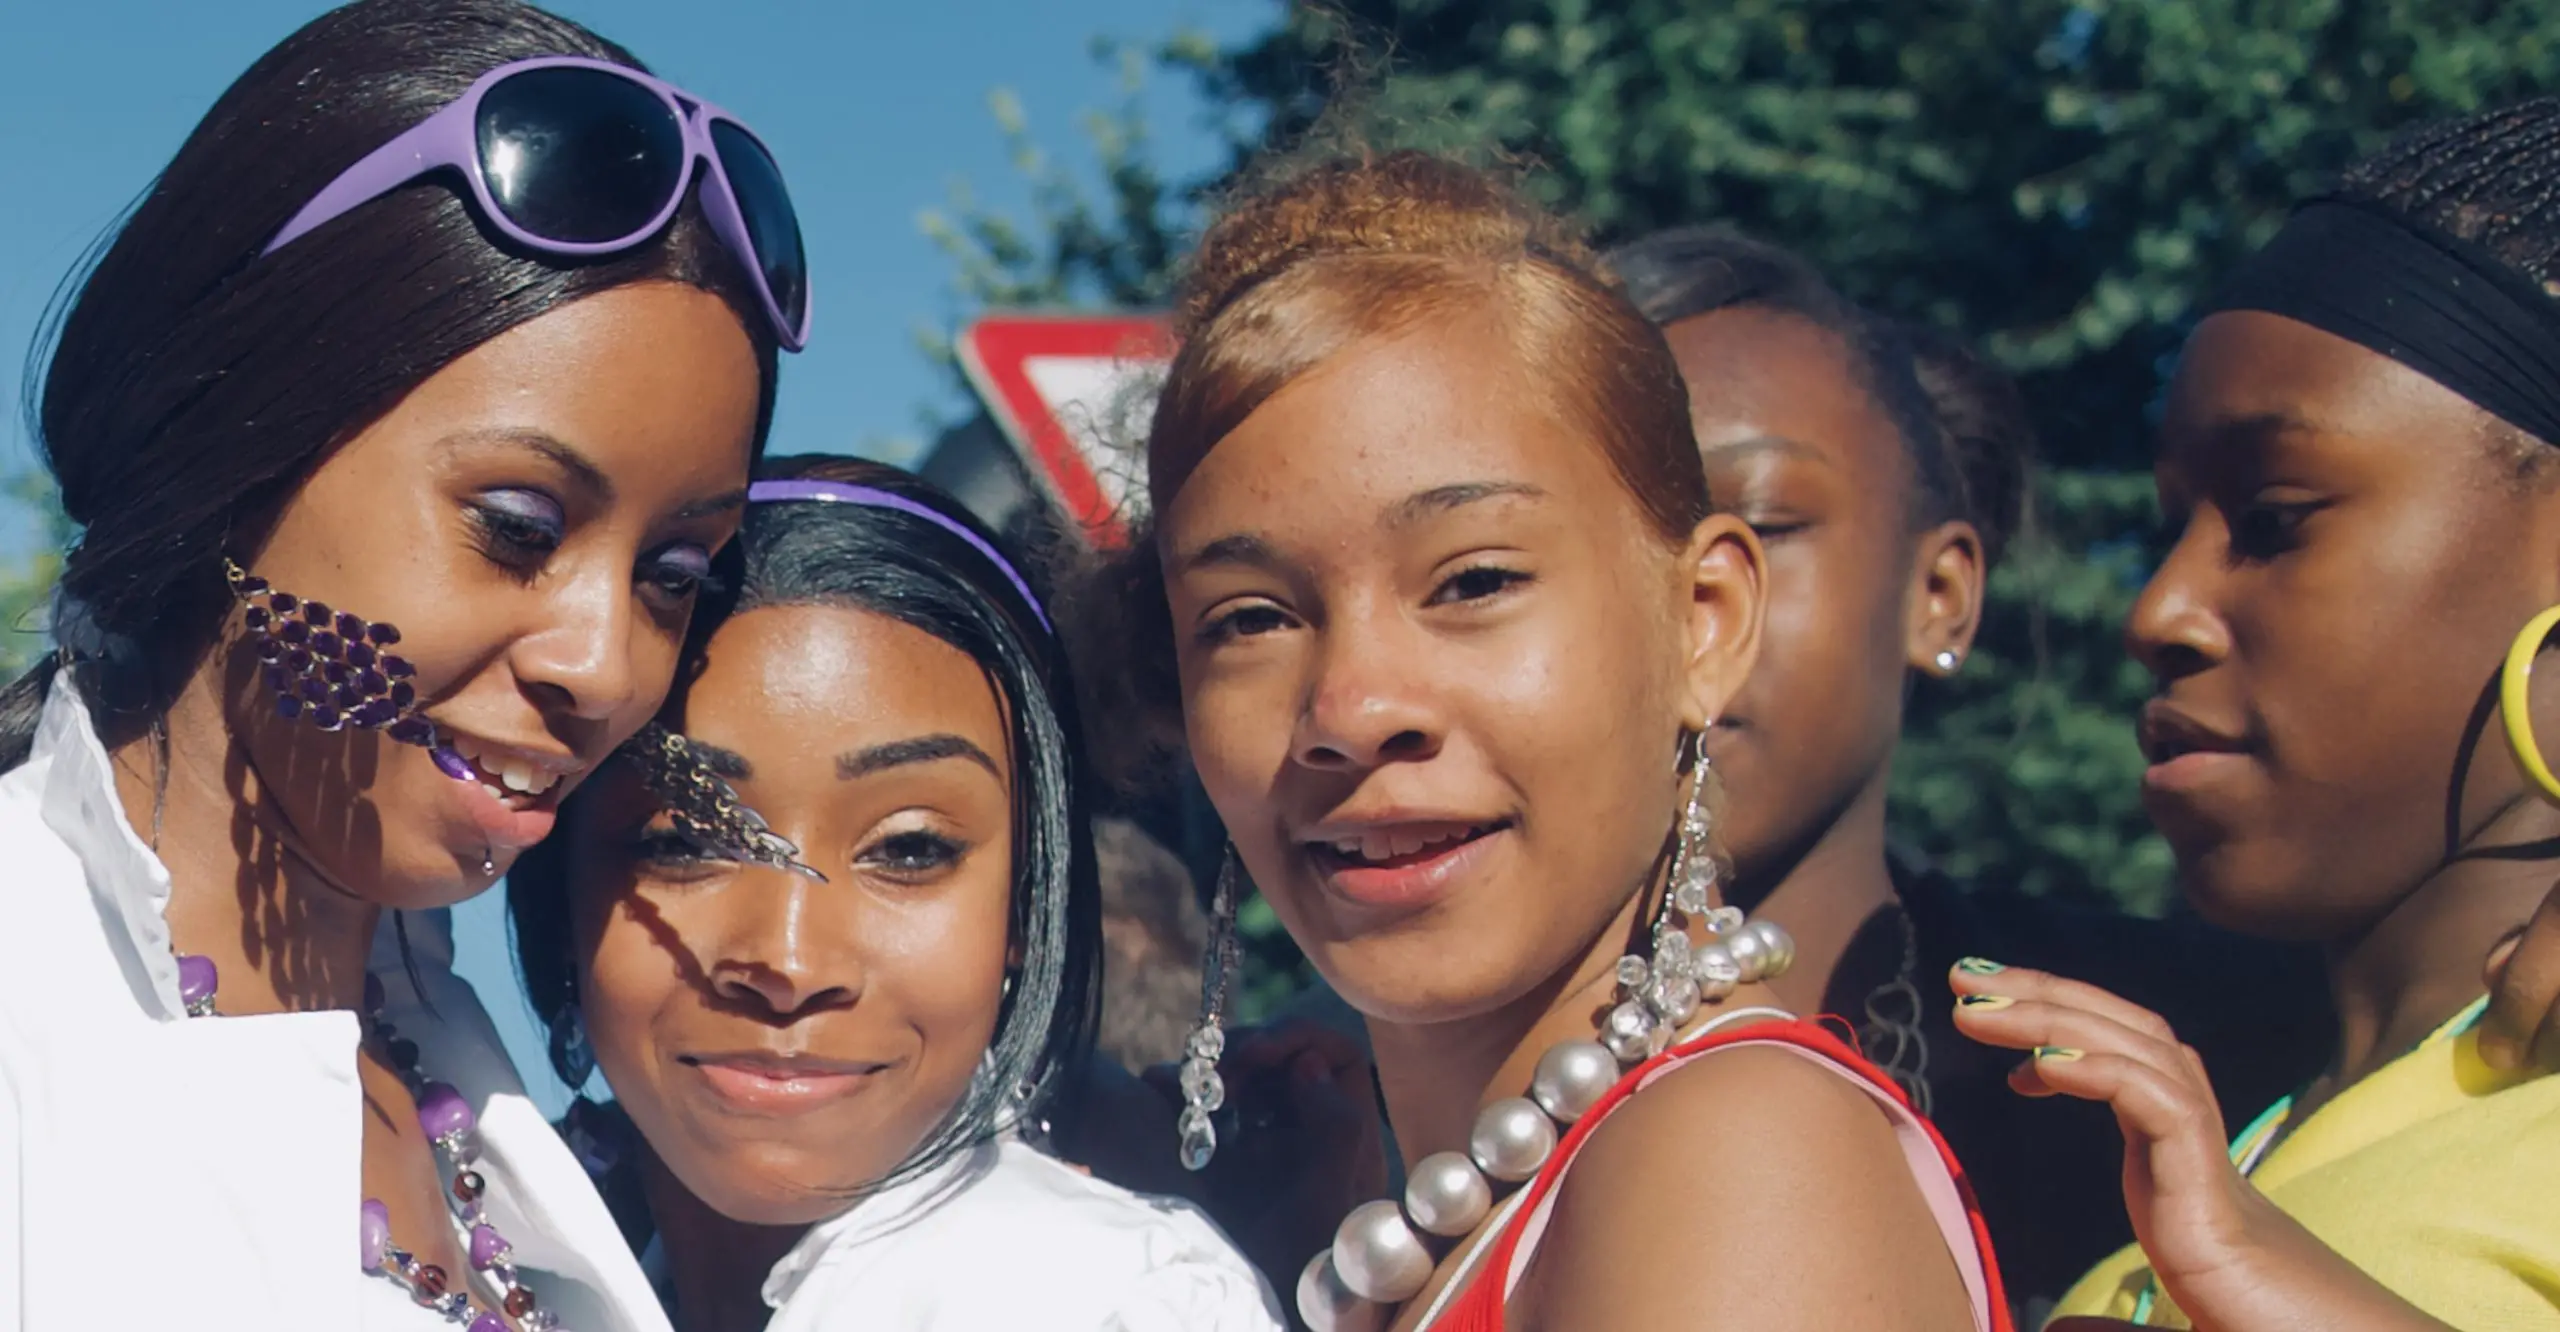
[488, 861]
[1948, 661]
[1664, 991]
[1203, 1091]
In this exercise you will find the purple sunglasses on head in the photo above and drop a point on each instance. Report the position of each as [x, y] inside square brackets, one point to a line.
[580, 157]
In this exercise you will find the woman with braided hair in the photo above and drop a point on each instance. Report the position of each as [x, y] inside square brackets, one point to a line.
[2359, 457]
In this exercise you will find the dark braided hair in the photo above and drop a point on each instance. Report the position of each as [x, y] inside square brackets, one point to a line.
[1691, 271]
[2492, 178]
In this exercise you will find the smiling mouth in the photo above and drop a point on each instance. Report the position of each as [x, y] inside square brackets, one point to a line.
[774, 1084]
[506, 777]
[1399, 847]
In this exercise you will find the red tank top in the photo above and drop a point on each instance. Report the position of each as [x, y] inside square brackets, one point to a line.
[1479, 1307]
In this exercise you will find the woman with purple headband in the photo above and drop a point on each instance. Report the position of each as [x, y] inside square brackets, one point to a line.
[832, 932]
[401, 419]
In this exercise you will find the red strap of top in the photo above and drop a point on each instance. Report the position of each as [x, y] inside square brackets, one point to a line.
[1480, 1307]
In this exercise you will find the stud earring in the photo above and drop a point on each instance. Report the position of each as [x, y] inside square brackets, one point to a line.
[1948, 661]
[1203, 1091]
[333, 669]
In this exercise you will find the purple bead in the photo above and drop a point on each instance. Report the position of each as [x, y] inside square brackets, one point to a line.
[256, 617]
[488, 1322]
[344, 699]
[373, 683]
[398, 668]
[315, 690]
[294, 631]
[269, 649]
[326, 644]
[288, 706]
[327, 718]
[349, 627]
[250, 585]
[360, 654]
[374, 715]
[198, 978]
[443, 1113]
[335, 672]
[279, 679]
[487, 1246]
[317, 612]
[376, 1229]
[452, 765]
[298, 660]
[383, 635]
[416, 731]
[283, 603]
[403, 694]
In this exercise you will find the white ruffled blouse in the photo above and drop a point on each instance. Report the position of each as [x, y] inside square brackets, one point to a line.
[204, 1175]
[1006, 1239]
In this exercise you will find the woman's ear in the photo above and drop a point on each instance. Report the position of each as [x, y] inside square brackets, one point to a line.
[1944, 606]
[1725, 587]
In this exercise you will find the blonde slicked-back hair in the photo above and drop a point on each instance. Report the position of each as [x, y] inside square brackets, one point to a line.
[1325, 252]
[1305, 264]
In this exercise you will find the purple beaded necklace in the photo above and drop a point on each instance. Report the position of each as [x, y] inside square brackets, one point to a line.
[448, 1122]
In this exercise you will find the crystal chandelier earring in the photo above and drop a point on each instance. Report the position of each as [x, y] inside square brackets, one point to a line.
[1203, 1091]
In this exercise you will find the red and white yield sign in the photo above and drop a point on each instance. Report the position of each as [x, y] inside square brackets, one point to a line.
[1073, 393]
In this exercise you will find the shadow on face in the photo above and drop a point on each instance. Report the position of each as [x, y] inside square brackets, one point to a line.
[1436, 664]
[784, 1043]
[1796, 446]
[533, 520]
[2354, 553]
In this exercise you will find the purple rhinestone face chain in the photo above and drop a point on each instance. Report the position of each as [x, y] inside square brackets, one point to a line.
[333, 669]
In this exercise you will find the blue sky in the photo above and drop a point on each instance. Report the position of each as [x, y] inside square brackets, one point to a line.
[877, 111]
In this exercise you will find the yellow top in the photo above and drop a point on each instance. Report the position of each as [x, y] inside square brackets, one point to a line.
[2437, 1175]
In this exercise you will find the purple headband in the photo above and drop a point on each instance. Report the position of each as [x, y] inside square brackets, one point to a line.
[872, 497]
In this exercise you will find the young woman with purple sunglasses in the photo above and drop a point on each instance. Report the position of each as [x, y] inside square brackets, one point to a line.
[401, 419]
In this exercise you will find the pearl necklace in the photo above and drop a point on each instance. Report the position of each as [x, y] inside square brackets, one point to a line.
[449, 1123]
[1377, 1259]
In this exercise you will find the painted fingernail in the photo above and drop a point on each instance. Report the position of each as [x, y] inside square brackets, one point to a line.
[1979, 966]
[1985, 1000]
[2057, 1054]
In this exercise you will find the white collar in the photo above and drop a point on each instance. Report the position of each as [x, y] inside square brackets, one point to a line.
[80, 804]
[886, 1212]
[538, 1196]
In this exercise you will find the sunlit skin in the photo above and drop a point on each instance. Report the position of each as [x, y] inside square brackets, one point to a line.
[532, 518]
[783, 1043]
[1416, 609]
[2354, 554]
[1859, 596]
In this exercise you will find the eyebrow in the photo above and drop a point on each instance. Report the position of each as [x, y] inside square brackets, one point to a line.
[583, 471]
[727, 763]
[1441, 499]
[920, 749]
[1249, 548]
[1758, 444]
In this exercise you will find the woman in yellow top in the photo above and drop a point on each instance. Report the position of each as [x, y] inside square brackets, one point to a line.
[2359, 456]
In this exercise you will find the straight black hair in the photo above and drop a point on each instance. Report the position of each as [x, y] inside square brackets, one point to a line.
[192, 384]
[910, 570]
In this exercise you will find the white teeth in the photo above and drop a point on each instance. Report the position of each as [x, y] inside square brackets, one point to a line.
[518, 777]
[494, 793]
[1396, 842]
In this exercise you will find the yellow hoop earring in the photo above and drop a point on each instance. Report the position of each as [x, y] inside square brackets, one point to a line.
[2515, 701]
